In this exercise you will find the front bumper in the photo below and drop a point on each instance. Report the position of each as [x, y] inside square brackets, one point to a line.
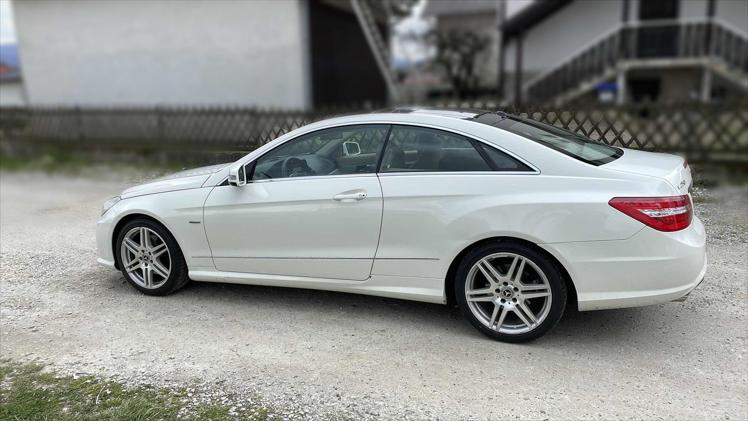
[104, 230]
[651, 267]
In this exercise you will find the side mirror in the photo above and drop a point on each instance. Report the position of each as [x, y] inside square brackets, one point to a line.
[351, 148]
[237, 175]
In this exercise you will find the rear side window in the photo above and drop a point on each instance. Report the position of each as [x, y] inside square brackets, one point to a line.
[423, 149]
[564, 141]
[504, 162]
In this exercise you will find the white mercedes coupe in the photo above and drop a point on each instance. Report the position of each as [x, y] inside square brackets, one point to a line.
[508, 218]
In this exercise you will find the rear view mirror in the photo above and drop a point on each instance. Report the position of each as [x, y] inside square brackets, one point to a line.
[351, 148]
[237, 175]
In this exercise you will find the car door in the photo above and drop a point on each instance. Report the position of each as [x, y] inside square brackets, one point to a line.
[433, 182]
[301, 213]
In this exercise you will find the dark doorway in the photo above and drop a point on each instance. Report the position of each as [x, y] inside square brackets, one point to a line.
[344, 70]
[660, 40]
[645, 90]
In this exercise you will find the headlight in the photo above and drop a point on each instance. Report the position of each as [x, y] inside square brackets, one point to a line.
[109, 203]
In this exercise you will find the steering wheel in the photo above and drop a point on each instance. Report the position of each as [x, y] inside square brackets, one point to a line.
[296, 167]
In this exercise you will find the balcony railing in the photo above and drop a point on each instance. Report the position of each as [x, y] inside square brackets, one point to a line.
[656, 40]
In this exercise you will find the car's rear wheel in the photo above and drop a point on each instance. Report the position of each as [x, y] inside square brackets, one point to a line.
[150, 258]
[510, 292]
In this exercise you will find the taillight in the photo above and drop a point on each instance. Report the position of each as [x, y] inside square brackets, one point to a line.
[672, 213]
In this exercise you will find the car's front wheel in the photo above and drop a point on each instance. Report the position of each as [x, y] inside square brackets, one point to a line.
[510, 292]
[150, 258]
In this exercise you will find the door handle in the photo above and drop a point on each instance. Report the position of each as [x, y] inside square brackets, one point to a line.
[350, 196]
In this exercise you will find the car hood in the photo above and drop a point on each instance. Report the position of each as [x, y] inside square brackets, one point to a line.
[182, 180]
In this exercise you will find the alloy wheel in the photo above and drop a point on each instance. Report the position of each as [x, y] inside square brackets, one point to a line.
[508, 293]
[145, 257]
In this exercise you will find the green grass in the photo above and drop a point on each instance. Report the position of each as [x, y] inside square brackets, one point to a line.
[27, 392]
[45, 162]
[77, 163]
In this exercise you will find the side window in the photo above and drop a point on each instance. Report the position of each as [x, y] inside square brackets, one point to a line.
[335, 151]
[423, 149]
[504, 162]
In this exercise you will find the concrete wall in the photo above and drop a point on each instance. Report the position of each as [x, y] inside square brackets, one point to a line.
[692, 9]
[560, 36]
[159, 52]
[11, 94]
[676, 84]
[567, 31]
[734, 12]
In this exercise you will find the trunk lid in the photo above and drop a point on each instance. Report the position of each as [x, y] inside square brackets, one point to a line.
[672, 168]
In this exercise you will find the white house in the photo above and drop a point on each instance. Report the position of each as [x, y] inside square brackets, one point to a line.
[636, 50]
[284, 54]
[624, 50]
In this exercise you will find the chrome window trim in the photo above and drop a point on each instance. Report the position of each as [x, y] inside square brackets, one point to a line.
[469, 173]
[313, 177]
[536, 171]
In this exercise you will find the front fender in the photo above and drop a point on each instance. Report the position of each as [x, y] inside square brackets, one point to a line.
[180, 212]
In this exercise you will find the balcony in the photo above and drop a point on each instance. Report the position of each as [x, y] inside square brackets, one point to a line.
[709, 43]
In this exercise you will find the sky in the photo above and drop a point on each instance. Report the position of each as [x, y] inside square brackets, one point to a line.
[406, 49]
[7, 30]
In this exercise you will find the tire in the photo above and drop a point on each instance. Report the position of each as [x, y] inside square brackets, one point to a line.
[501, 305]
[149, 261]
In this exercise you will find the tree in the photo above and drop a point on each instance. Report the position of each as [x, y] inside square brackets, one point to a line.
[400, 9]
[457, 53]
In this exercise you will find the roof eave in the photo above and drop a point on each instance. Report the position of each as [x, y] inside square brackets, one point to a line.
[531, 16]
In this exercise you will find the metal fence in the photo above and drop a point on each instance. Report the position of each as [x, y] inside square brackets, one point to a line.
[716, 131]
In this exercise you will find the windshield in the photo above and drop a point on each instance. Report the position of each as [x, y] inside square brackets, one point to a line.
[564, 141]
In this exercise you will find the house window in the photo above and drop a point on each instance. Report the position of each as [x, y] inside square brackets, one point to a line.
[660, 40]
[657, 10]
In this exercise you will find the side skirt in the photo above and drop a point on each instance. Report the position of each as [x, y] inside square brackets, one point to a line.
[429, 290]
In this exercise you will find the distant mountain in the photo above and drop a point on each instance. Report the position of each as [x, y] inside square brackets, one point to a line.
[9, 55]
[9, 66]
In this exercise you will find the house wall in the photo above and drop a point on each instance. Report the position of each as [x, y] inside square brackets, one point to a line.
[734, 12]
[676, 84]
[692, 9]
[11, 94]
[560, 36]
[155, 52]
[566, 32]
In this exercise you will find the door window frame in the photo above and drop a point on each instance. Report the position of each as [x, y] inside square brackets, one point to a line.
[534, 170]
[249, 167]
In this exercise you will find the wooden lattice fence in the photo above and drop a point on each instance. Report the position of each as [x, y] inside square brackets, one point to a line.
[702, 131]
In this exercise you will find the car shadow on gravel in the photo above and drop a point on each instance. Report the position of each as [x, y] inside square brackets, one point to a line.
[425, 318]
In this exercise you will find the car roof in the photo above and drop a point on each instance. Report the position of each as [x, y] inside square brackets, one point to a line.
[458, 113]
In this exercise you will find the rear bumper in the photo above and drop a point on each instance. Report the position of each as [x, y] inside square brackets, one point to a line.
[684, 297]
[651, 267]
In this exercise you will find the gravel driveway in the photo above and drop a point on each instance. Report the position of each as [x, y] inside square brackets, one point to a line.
[314, 354]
